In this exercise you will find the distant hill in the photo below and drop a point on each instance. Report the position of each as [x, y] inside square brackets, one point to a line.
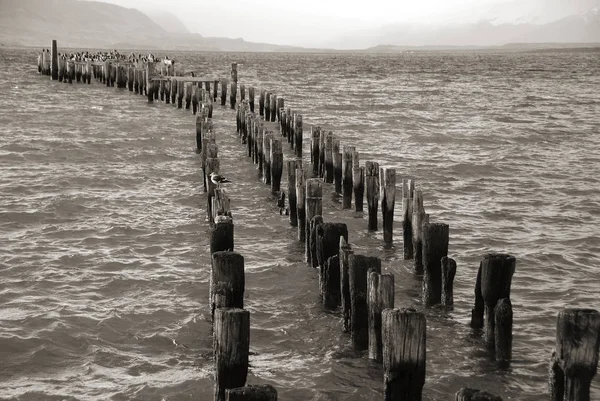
[167, 21]
[91, 24]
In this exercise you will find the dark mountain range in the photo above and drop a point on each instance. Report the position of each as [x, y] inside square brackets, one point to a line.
[91, 24]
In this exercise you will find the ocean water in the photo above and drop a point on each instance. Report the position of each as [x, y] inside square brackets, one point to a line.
[104, 259]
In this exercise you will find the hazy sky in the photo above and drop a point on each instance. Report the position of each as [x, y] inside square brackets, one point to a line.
[302, 22]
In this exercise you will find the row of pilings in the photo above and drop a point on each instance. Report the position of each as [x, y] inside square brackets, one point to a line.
[349, 283]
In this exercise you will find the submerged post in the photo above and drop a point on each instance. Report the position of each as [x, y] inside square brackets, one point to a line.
[435, 247]
[263, 392]
[372, 173]
[301, 204]
[357, 280]
[380, 297]
[314, 207]
[404, 354]
[347, 177]
[276, 165]
[54, 61]
[388, 201]
[231, 346]
[292, 200]
[577, 342]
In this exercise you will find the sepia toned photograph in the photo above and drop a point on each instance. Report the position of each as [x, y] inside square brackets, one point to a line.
[333, 200]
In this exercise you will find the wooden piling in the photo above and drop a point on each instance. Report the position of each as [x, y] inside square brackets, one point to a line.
[224, 85]
[380, 296]
[273, 106]
[276, 165]
[54, 61]
[372, 183]
[301, 204]
[311, 242]
[262, 392]
[417, 219]
[496, 276]
[231, 345]
[577, 342]
[503, 322]
[328, 173]
[233, 95]
[479, 307]
[280, 105]
[358, 182]
[358, 269]
[261, 103]
[227, 281]
[251, 98]
[314, 207]
[315, 134]
[180, 94]
[404, 354]
[435, 247]
[267, 137]
[298, 135]
[259, 151]
[322, 140]
[388, 201]
[267, 106]
[345, 252]
[328, 241]
[347, 185]
[221, 237]
[448, 273]
[292, 200]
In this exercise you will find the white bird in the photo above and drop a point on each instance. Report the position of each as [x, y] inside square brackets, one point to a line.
[218, 179]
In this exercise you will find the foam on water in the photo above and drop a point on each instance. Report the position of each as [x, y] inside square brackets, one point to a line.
[104, 242]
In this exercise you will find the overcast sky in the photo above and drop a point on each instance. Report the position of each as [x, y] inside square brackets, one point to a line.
[301, 22]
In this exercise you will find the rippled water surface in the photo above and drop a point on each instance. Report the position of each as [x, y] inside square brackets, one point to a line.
[104, 243]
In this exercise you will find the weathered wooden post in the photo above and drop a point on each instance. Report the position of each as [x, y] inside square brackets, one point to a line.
[435, 247]
[227, 281]
[328, 173]
[417, 219]
[195, 97]
[347, 185]
[267, 137]
[388, 201]
[345, 252]
[576, 356]
[242, 92]
[273, 107]
[292, 200]
[54, 61]
[359, 266]
[291, 118]
[315, 134]
[311, 242]
[404, 336]
[496, 276]
[71, 70]
[503, 322]
[211, 166]
[328, 242]
[380, 296]
[301, 204]
[251, 98]
[267, 106]
[188, 94]
[224, 85]
[337, 166]
[221, 236]
[262, 392]
[407, 216]
[180, 92]
[259, 150]
[215, 91]
[314, 207]
[261, 102]
[322, 137]
[358, 182]
[372, 179]
[276, 165]
[448, 273]
[298, 135]
[231, 345]
[280, 105]
[469, 394]
[233, 95]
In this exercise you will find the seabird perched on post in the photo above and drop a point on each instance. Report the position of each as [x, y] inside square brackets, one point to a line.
[218, 179]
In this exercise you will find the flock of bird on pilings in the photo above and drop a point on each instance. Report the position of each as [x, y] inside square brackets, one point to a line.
[349, 282]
